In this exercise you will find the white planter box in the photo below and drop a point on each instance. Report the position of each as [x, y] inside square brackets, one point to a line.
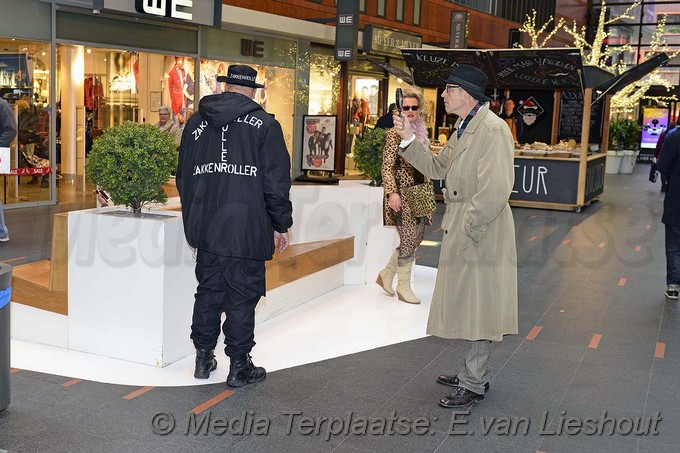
[131, 287]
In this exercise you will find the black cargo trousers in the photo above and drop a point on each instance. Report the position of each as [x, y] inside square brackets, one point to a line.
[233, 286]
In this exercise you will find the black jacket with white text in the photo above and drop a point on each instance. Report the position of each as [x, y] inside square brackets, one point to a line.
[233, 178]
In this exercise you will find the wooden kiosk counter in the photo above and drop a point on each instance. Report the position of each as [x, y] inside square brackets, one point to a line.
[574, 179]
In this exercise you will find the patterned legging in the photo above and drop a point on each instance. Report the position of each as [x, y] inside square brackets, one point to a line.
[410, 237]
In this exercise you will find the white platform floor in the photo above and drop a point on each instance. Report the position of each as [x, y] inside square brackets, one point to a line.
[347, 320]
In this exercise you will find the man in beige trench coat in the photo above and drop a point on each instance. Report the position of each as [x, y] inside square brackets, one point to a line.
[475, 294]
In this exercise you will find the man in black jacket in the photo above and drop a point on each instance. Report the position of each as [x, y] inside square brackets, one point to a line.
[669, 166]
[234, 181]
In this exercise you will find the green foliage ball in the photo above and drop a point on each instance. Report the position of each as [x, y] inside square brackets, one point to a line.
[368, 153]
[131, 162]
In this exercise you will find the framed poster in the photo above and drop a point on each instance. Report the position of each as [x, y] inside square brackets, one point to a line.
[155, 100]
[318, 142]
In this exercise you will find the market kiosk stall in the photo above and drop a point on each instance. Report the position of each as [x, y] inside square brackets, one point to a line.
[560, 169]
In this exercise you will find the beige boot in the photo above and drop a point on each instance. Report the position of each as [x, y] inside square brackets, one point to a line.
[386, 276]
[404, 292]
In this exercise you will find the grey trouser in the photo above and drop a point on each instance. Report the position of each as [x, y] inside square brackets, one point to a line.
[476, 371]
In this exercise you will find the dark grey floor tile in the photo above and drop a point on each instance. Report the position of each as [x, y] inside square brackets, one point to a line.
[570, 444]
[523, 394]
[566, 306]
[486, 425]
[564, 329]
[298, 438]
[537, 356]
[337, 403]
[666, 367]
[649, 445]
[626, 354]
[610, 388]
[428, 442]
[344, 449]
[70, 441]
[179, 443]
[24, 386]
[461, 444]
[672, 340]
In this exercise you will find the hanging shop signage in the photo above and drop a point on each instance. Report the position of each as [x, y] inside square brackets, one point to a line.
[346, 30]
[203, 12]
[382, 41]
[458, 36]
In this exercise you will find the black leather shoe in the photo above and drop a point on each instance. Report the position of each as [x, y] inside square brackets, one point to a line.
[205, 363]
[452, 381]
[461, 399]
[242, 371]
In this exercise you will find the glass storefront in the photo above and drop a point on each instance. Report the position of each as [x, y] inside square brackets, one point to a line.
[104, 87]
[24, 84]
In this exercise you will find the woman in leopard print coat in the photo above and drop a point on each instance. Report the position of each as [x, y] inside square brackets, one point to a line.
[398, 174]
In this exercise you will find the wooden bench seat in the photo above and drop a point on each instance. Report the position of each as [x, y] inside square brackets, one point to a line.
[44, 284]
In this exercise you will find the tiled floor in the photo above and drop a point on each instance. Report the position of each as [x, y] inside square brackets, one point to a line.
[599, 346]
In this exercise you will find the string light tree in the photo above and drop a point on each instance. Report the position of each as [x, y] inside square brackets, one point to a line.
[599, 53]
[625, 102]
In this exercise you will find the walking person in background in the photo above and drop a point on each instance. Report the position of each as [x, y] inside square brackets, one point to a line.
[475, 293]
[657, 152]
[669, 167]
[397, 174]
[8, 130]
[236, 210]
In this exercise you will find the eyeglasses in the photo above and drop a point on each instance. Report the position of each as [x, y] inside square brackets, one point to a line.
[406, 108]
[451, 87]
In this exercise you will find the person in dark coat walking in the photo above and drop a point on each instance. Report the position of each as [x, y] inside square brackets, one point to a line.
[669, 166]
[8, 130]
[657, 153]
[234, 181]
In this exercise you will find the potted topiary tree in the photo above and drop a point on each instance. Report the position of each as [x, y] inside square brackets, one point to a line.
[368, 154]
[627, 136]
[131, 162]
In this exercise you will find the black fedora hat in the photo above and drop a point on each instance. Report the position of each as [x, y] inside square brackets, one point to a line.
[471, 79]
[240, 74]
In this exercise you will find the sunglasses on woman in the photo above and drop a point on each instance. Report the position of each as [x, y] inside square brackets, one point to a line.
[406, 108]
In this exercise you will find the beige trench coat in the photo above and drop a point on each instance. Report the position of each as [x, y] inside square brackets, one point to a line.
[475, 294]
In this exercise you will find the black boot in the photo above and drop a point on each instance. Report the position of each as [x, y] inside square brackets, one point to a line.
[242, 371]
[205, 363]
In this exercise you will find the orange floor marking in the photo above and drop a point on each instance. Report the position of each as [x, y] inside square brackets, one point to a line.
[566, 241]
[622, 281]
[136, 393]
[534, 332]
[71, 382]
[638, 248]
[595, 341]
[660, 350]
[211, 402]
[533, 238]
[600, 245]
[14, 370]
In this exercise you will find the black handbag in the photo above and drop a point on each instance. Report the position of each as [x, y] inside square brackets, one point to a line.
[652, 172]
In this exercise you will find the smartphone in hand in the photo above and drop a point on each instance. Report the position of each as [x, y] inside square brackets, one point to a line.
[399, 99]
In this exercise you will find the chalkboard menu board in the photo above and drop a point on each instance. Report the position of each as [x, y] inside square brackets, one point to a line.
[537, 68]
[571, 117]
[430, 67]
[545, 180]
